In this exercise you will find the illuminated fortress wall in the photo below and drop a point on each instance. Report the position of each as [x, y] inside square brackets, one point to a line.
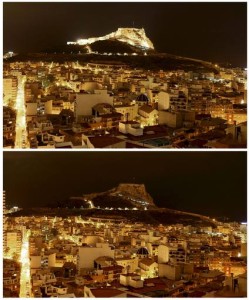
[132, 36]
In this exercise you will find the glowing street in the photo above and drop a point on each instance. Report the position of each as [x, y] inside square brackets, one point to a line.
[25, 284]
[21, 129]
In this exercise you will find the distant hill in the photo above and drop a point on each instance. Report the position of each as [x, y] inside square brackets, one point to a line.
[123, 40]
[64, 49]
[153, 61]
[110, 46]
[135, 37]
[154, 216]
[118, 46]
[124, 195]
[114, 46]
[128, 201]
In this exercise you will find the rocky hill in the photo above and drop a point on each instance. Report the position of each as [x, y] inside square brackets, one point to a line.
[105, 47]
[117, 48]
[132, 36]
[114, 47]
[128, 195]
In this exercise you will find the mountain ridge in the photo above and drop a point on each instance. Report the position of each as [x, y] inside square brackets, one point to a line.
[132, 195]
[133, 36]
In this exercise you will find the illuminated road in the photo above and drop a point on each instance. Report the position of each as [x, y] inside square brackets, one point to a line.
[25, 283]
[21, 126]
[50, 67]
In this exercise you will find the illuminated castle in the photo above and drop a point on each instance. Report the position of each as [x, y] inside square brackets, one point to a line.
[132, 36]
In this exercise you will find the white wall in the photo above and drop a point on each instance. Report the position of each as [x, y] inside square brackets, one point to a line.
[52, 260]
[132, 110]
[163, 100]
[172, 272]
[163, 254]
[31, 108]
[87, 255]
[128, 128]
[170, 119]
[48, 107]
[35, 261]
[85, 102]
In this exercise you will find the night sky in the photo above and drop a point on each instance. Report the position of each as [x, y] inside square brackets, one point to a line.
[211, 183]
[210, 31]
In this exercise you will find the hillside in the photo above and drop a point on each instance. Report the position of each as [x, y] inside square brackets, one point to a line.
[154, 216]
[135, 37]
[127, 201]
[113, 46]
[154, 61]
[124, 195]
[117, 47]
[98, 47]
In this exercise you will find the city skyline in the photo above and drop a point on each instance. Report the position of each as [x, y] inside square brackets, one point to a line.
[145, 216]
[193, 35]
[206, 183]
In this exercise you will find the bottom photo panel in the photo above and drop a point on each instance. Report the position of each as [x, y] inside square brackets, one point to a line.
[124, 224]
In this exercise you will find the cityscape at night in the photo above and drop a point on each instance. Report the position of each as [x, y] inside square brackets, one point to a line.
[125, 224]
[124, 150]
[129, 83]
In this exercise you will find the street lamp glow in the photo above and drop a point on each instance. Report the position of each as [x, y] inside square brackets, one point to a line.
[21, 127]
[25, 283]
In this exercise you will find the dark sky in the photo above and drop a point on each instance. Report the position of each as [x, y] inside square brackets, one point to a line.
[212, 183]
[211, 31]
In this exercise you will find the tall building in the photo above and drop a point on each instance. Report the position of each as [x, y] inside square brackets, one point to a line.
[10, 84]
[4, 222]
[170, 253]
[14, 243]
[12, 240]
[4, 207]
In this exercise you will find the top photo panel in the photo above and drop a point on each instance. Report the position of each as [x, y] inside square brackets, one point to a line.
[124, 75]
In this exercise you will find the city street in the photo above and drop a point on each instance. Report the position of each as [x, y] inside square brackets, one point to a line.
[25, 283]
[21, 129]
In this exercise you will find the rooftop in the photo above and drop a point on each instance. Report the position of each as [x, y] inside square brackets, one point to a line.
[104, 141]
[106, 292]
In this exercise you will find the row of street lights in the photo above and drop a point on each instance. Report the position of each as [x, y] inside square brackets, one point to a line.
[21, 125]
[25, 278]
